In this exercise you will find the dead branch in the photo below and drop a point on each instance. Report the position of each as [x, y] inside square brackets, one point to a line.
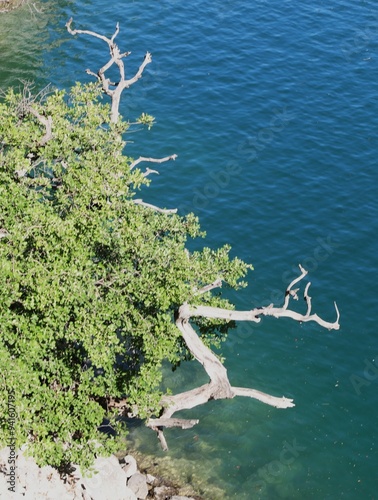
[175, 422]
[219, 386]
[152, 160]
[149, 171]
[116, 57]
[216, 284]
[28, 96]
[46, 122]
[154, 207]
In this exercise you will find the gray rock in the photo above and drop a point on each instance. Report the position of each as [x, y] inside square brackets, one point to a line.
[34, 482]
[130, 467]
[181, 498]
[163, 492]
[138, 484]
[150, 478]
[109, 483]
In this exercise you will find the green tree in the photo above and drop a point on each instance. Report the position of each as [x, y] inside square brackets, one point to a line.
[97, 287]
[89, 279]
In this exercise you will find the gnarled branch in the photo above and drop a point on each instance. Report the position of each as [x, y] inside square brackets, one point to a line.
[219, 386]
[115, 58]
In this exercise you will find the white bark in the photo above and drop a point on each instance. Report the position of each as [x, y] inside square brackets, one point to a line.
[145, 174]
[219, 386]
[116, 57]
[152, 160]
[154, 207]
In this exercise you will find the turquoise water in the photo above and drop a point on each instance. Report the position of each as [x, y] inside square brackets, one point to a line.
[272, 109]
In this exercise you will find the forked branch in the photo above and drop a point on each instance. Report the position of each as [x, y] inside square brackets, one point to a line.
[219, 386]
[116, 57]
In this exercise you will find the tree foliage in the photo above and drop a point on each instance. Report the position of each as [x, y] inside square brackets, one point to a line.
[90, 280]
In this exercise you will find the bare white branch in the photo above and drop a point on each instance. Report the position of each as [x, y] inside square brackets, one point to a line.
[307, 298]
[293, 293]
[188, 311]
[149, 171]
[127, 83]
[154, 207]
[264, 398]
[152, 160]
[86, 32]
[172, 422]
[116, 57]
[219, 386]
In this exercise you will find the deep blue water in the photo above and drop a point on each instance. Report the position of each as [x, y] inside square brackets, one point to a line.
[272, 109]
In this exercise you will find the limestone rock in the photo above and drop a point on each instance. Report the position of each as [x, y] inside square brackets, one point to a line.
[150, 478]
[34, 482]
[177, 497]
[130, 467]
[109, 482]
[138, 484]
[163, 492]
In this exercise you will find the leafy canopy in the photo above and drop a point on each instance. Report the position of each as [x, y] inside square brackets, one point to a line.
[89, 280]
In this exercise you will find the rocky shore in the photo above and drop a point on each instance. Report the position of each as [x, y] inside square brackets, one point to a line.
[7, 5]
[114, 479]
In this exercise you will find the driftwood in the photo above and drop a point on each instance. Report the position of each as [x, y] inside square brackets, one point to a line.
[219, 386]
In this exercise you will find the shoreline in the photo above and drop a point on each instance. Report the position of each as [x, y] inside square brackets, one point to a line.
[9, 5]
[119, 478]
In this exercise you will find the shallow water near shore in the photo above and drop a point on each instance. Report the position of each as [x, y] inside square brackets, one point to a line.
[272, 109]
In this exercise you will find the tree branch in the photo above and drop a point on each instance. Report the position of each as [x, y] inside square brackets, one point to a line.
[219, 386]
[154, 207]
[115, 58]
[91, 33]
[46, 122]
[149, 171]
[174, 422]
[152, 160]
[263, 397]
[216, 284]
